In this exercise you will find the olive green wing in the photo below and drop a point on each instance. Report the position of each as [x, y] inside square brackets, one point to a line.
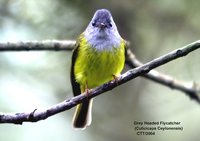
[75, 86]
[82, 115]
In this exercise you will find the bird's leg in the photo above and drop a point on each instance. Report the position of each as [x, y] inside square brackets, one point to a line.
[87, 90]
[115, 78]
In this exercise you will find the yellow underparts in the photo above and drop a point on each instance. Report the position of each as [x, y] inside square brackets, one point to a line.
[95, 67]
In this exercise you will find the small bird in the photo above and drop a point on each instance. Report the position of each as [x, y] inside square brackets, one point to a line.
[98, 57]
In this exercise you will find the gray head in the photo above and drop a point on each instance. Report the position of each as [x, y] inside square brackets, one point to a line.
[102, 19]
[102, 28]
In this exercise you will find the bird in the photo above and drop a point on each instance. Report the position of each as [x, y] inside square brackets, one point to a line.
[98, 57]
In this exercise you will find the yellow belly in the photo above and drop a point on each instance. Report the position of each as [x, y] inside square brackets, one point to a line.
[95, 67]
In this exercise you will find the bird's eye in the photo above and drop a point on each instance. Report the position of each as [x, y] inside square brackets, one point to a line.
[93, 24]
[110, 24]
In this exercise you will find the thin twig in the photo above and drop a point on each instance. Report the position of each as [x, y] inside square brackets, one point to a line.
[46, 45]
[37, 115]
[191, 89]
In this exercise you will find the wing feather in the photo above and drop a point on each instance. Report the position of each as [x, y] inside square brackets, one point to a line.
[75, 86]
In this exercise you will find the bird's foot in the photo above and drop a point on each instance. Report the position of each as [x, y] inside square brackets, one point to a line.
[87, 91]
[115, 78]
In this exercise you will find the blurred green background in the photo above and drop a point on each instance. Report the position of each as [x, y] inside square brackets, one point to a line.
[30, 80]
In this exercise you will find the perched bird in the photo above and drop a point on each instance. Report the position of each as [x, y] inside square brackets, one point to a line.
[98, 57]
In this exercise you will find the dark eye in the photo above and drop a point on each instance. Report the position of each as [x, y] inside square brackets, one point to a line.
[93, 24]
[110, 24]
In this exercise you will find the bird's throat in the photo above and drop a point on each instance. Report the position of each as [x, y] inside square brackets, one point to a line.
[103, 41]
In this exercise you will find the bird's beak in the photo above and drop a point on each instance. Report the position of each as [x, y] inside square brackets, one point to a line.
[102, 25]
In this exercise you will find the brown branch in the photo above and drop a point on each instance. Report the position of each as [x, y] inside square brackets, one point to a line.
[46, 45]
[37, 115]
[191, 89]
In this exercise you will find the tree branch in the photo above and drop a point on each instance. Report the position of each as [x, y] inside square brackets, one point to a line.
[192, 89]
[46, 45]
[37, 114]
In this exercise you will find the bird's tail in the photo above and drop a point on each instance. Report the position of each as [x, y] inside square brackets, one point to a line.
[83, 115]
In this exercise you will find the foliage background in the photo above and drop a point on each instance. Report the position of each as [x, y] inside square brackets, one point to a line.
[39, 79]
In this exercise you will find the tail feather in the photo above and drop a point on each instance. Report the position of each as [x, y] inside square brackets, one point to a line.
[83, 116]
